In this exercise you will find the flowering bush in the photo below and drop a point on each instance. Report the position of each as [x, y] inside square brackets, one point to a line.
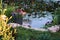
[5, 30]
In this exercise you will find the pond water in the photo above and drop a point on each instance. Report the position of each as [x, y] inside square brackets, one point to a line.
[38, 22]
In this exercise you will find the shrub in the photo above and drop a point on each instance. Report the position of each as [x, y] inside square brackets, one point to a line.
[57, 16]
[9, 11]
[5, 29]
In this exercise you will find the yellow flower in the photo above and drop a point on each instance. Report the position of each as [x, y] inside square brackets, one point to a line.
[0, 28]
[3, 17]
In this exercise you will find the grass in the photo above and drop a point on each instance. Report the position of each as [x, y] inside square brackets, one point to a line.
[28, 34]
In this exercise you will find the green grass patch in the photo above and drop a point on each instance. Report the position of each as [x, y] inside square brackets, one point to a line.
[29, 34]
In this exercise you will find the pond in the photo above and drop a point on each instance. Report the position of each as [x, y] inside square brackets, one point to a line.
[38, 22]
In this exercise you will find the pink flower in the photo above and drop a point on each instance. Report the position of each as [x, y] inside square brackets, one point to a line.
[20, 11]
[23, 12]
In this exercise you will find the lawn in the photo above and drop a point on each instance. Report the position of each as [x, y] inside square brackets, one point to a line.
[28, 34]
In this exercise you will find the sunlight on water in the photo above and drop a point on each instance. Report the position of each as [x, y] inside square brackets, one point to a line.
[38, 22]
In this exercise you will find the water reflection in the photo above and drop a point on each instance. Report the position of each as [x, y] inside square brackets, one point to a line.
[37, 21]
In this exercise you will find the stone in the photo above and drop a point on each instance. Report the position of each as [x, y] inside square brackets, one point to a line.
[13, 25]
[54, 28]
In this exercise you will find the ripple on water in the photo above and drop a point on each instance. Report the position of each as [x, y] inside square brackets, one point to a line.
[39, 22]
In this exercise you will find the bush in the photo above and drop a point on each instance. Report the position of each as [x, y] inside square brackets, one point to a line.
[5, 30]
[57, 16]
[9, 11]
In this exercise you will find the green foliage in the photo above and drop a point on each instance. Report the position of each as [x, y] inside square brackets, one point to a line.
[56, 19]
[29, 34]
[9, 11]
